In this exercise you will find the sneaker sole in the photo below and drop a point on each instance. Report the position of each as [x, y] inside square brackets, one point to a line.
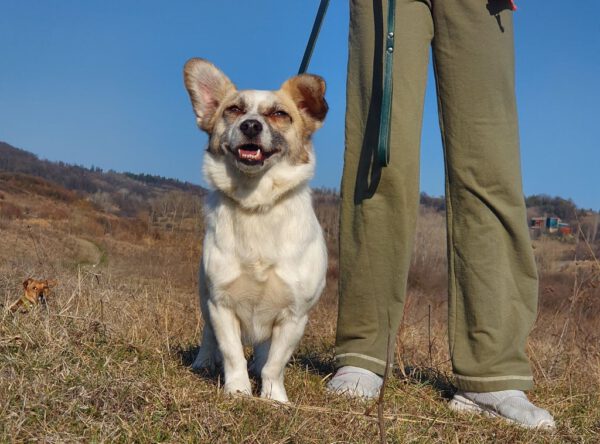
[461, 404]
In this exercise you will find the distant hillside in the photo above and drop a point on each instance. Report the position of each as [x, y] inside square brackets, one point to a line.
[537, 205]
[125, 194]
[156, 197]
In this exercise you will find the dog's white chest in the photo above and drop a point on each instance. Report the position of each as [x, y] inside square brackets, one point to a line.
[259, 299]
[265, 266]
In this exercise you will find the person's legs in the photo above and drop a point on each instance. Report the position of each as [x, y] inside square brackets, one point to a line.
[379, 206]
[490, 260]
[493, 280]
[492, 273]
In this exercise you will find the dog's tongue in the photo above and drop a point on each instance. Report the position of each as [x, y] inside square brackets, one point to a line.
[251, 154]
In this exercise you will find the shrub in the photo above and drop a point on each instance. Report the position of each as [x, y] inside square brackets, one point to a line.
[10, 211]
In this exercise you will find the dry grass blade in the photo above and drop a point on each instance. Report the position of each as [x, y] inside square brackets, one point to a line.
[342, 412]
[388, 363]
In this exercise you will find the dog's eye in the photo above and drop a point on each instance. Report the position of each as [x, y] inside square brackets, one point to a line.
[279, 113]
[234, 110]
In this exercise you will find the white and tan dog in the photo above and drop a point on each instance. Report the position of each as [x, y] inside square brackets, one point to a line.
[264, 257]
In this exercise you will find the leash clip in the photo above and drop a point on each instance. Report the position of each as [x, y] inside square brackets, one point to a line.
[389, 42]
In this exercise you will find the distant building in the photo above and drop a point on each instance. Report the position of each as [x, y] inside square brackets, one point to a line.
[548, 224]
[564, 228]
[538, 222]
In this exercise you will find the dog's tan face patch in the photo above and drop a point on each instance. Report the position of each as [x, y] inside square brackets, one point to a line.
[251, 128]
[255, 128]
[37, 290]
[307, 91]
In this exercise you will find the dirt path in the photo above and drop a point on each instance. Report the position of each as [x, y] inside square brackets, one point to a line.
[89, 252]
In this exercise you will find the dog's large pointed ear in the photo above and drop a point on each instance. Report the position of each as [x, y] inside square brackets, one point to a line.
[26, 283]
[207, 87]
[308, 92]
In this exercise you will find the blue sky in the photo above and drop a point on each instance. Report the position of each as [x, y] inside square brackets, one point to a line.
[99, 83]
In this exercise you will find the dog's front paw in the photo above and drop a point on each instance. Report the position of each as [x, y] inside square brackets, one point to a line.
[274, 390]
[238, 388]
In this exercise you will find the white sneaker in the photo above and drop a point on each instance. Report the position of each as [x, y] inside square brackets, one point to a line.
[511, 405]
[355, 382]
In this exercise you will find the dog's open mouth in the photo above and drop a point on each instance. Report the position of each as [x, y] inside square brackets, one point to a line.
[252, 154]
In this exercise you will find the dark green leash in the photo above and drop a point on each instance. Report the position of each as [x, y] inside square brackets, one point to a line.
[383, 143]
[313, 36]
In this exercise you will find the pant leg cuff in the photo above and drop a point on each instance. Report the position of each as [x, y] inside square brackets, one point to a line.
[493, 383]
[370, 363]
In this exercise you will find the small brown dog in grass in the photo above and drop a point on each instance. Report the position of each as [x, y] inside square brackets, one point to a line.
[35, 292]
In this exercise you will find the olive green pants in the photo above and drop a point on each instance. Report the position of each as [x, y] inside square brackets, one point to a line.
[492, 273]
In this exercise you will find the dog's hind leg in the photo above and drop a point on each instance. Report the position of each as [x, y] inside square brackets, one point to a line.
[261, 353]
[284, 340]
[208, 357]
[228, 333]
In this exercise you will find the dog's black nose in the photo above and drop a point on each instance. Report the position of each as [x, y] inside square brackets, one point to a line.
[251, 127]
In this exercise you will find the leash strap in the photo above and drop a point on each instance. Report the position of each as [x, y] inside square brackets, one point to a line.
[383, 143]
[313, 36]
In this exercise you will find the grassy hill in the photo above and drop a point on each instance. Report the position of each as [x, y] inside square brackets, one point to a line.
[108, 359]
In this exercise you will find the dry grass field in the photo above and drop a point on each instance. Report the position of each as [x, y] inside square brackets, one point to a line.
[107, 360]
